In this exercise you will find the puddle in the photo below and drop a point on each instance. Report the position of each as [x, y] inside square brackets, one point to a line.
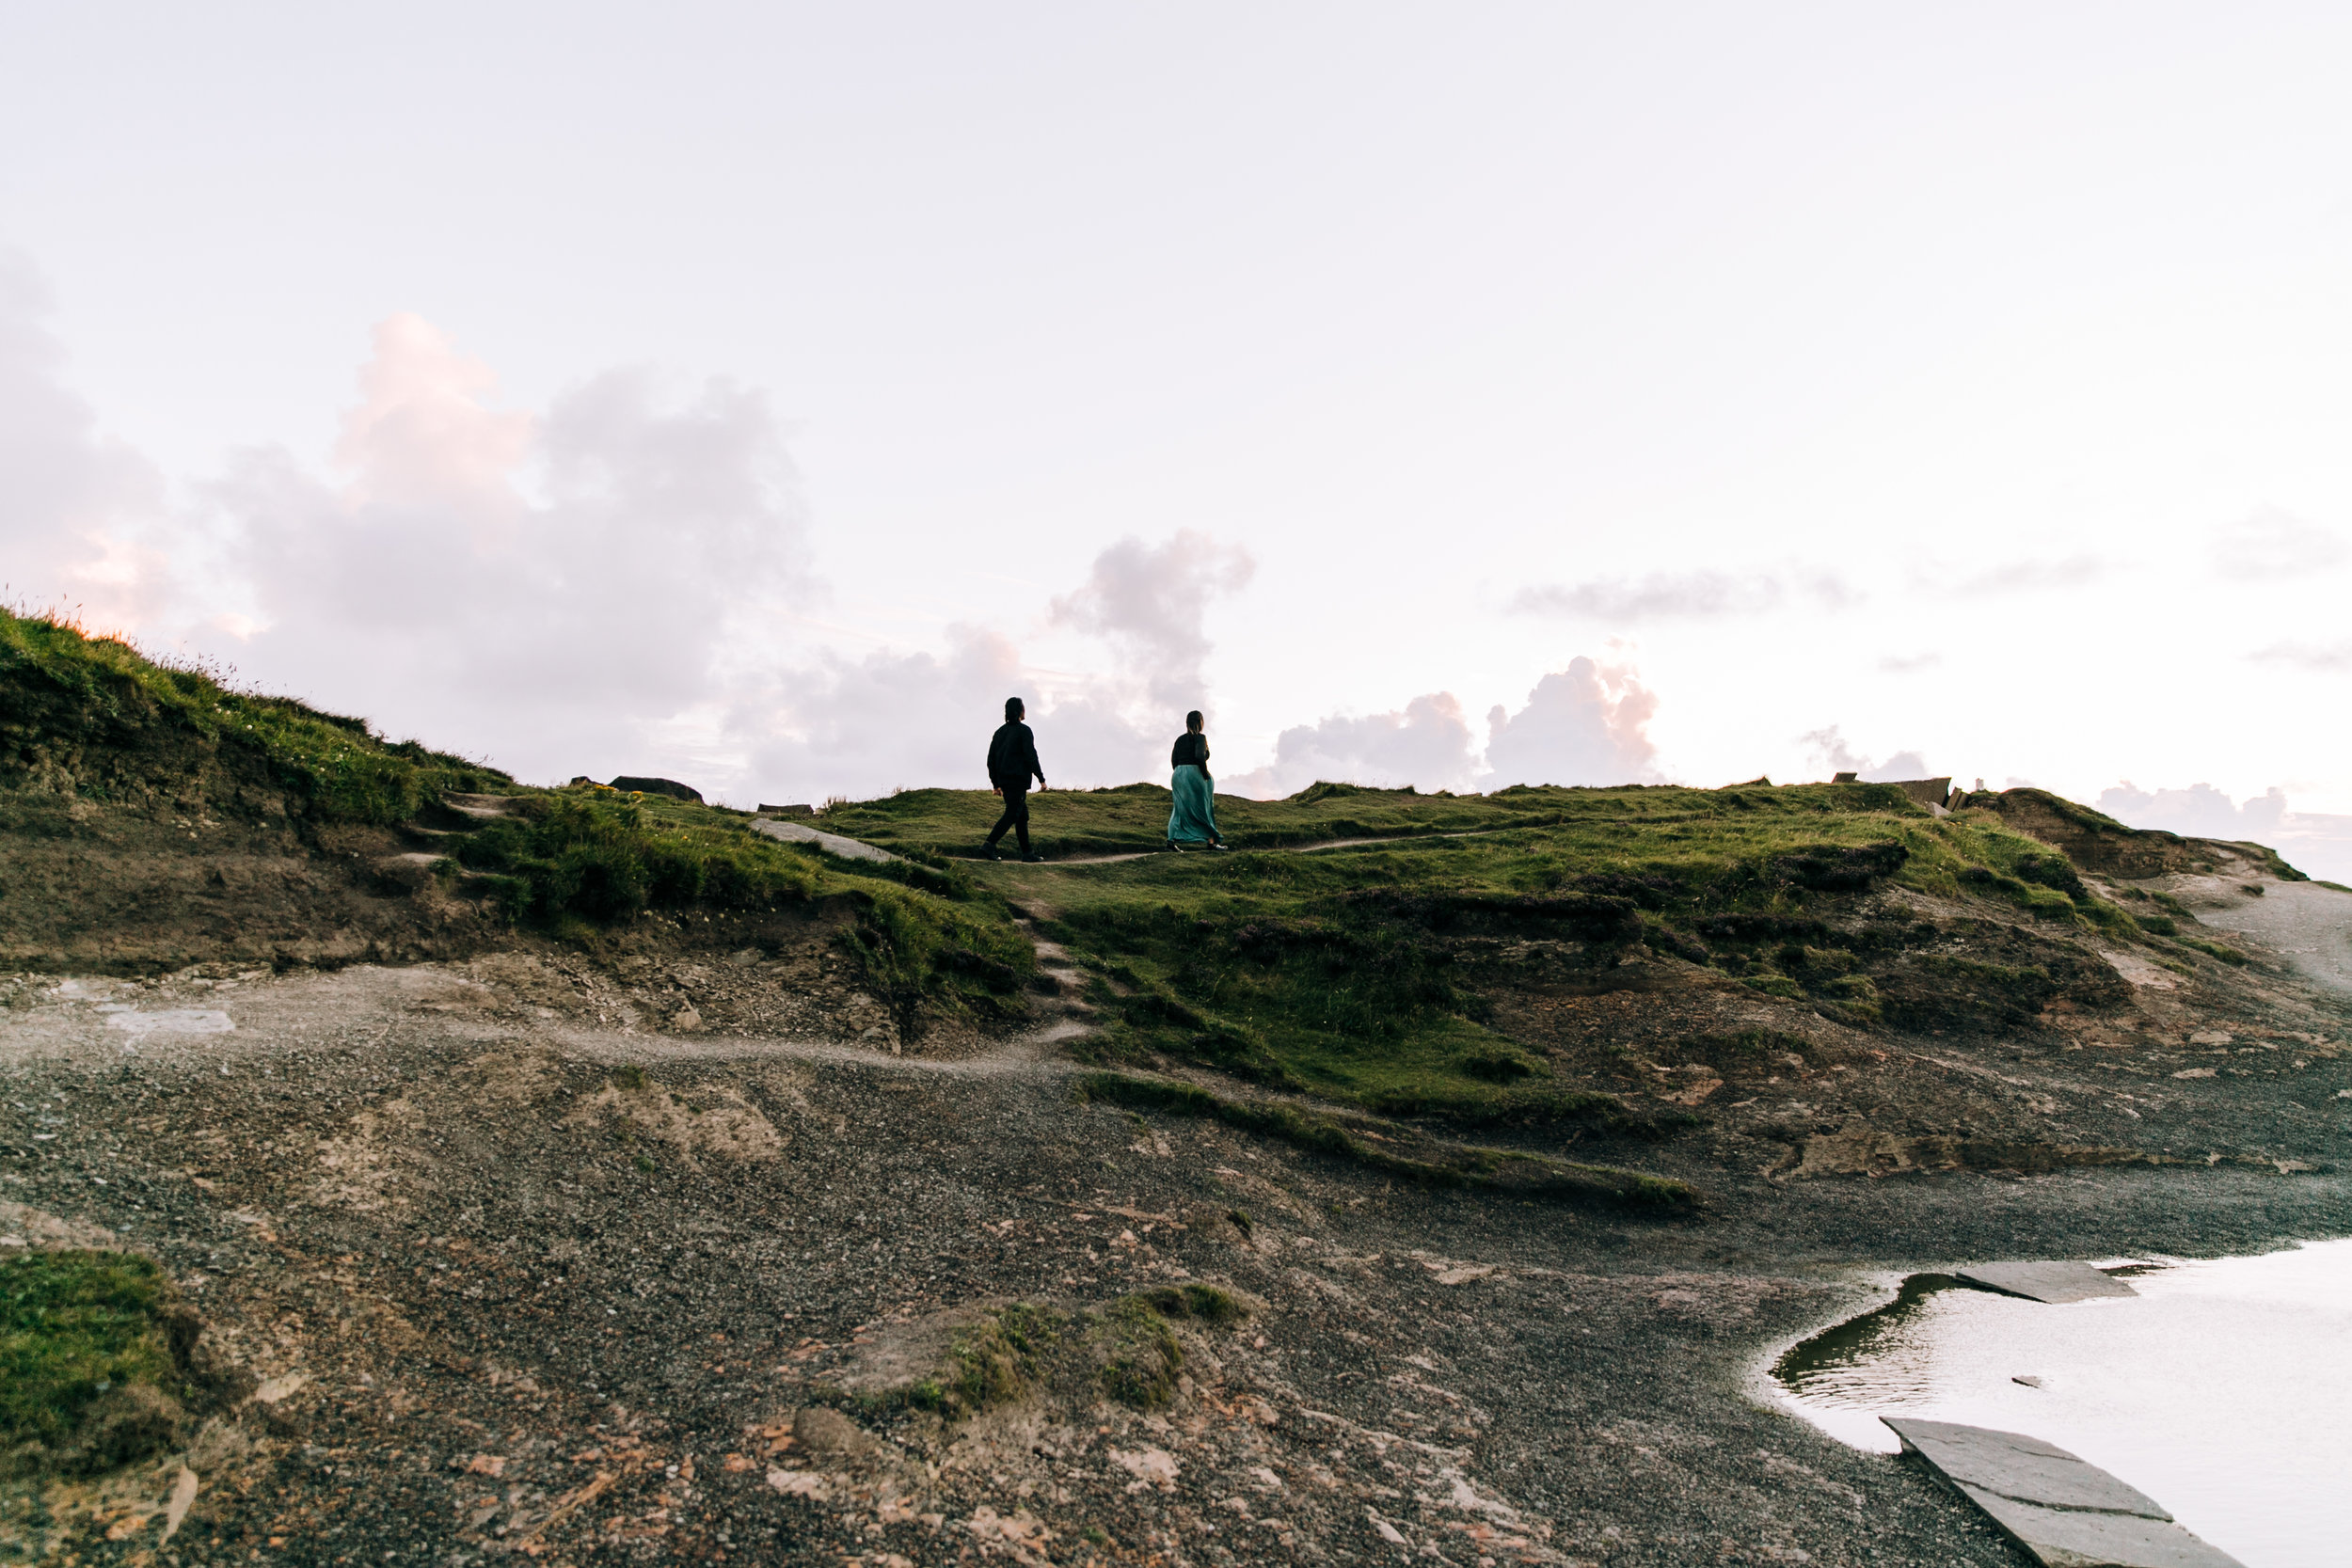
[2223, 1390]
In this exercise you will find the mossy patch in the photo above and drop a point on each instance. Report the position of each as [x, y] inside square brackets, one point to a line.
[93, 1360]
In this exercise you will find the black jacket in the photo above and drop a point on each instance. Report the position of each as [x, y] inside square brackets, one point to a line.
[1012, 757]
[1190, 748]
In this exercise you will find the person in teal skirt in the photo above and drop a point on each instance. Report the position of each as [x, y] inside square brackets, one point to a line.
[1193, 820]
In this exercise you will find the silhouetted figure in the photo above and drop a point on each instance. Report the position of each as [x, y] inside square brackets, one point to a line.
[1011, 763]
[1192, 815]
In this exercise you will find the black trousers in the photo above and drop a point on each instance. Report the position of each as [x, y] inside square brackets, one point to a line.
[1016, 818]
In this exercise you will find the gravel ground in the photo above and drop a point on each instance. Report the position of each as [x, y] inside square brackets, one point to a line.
[512, 1270]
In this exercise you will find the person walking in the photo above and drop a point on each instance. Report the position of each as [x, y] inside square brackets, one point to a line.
[1011, 763]
[1192, 818]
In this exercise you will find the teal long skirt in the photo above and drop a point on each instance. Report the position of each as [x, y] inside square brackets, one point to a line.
[1194, 818]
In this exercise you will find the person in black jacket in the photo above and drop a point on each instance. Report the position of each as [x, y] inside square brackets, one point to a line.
[1011, 763]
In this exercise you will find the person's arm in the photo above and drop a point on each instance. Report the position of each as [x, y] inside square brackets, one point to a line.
[1036, 766]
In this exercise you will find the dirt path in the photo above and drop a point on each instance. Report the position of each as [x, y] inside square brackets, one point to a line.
[1271, 849]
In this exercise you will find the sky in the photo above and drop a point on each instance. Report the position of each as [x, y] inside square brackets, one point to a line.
[1454, 396]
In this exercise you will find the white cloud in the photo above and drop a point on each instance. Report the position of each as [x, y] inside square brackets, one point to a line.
[2268, 545]
[2200, 811]
[1704, 594]
[2313, 843]
[1426, 744]
[2320, 659]
[2023, 576]
[556, 624]
[1150, 602]
[860, 727]
[1827, 749]
[75, 505]
[1588, 724]
[1908, 664]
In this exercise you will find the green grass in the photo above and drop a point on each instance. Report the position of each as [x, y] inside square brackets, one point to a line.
[1134, 818]
[1358, 974]
[74, 1325]
[600, 860]
[95, 717]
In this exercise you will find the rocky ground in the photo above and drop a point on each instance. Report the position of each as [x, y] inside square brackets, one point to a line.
[688, 1253]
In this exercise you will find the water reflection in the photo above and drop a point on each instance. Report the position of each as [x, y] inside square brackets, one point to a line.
[2223, 1390]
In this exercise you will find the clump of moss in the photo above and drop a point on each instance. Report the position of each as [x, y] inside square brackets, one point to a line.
[2215, 950]
[993, 1362]
[1499, 1065]
[1203, 1303]
[93, 1355]
[1141, 1357]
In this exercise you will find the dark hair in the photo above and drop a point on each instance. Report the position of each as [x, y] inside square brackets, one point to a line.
[1192, 719]
[1013, 708]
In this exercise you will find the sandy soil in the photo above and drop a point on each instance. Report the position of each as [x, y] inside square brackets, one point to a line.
[2308, 926]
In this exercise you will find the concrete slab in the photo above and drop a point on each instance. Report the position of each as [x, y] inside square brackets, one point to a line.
[2016, 1466]
[831, 844]
[2066, 1537]
[2065, 1512]
[2054, 1282]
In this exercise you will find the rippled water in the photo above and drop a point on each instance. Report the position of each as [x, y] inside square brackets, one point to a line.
[2223, 1390]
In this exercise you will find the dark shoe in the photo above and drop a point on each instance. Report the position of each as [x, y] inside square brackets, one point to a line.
[1174, 847]
[1033, 858]
[990, 852]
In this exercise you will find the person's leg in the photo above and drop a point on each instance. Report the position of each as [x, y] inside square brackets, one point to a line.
[1016, 813]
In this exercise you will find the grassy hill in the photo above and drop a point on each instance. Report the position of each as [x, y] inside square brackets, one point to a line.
[1374, 972]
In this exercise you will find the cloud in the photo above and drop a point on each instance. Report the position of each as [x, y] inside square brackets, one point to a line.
[1588, 724]
[2269, 544]
[1426, 744]
[2333, 660]
[1151, 603]
[1827, 749]
[76, 507]
[1705, 595]
[858, 727]
[861, 727]
[2316, 845]
[425, 587]
[1908, 664]
[2200, 811]
[2024, 577]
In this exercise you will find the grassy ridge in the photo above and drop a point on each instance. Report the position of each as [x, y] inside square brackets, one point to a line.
[1135, 817]
[1356, 973]
[96, 717]
[594, 858]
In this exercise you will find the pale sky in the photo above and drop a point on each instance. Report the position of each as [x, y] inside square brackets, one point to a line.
[758, 394]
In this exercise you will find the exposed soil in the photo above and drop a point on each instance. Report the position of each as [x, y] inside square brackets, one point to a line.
[519, 1258]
